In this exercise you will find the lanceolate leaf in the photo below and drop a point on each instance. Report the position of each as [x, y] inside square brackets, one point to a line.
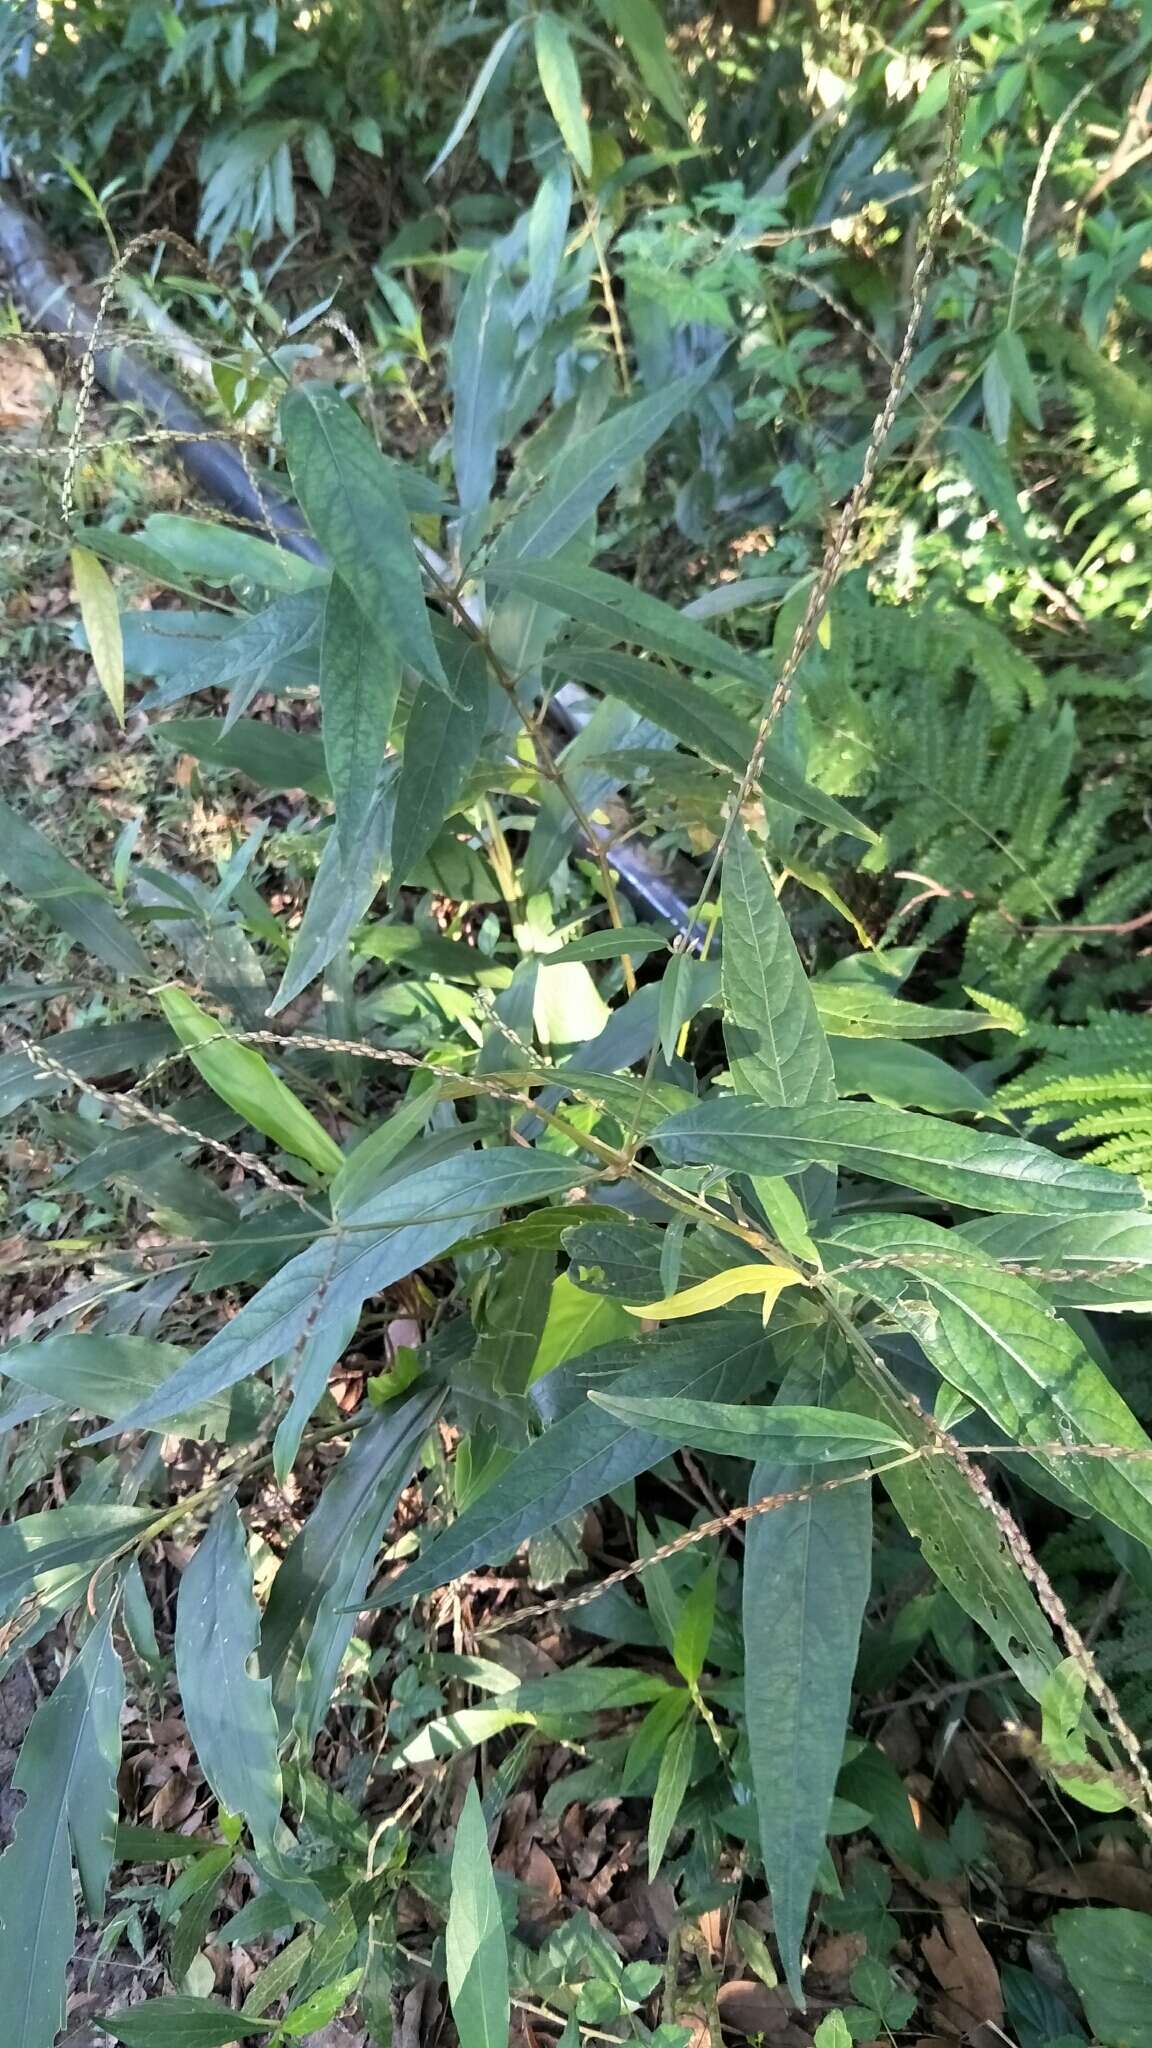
[1065, 1252]
[475, 1948]
[181, 2022]
[855, 1010]
[937, 1158]
[311, 1613]
[242, 1077]
[641, 30]
[990, 1336]
[440, 748]
[101, 615]
[408, 1223]
[560, 78]
[359, 684]
[905, 1077]
[588, 468]
[587, 1453]
[67, 1773]
[69, 897]
[618, 608]
[104, 1375]
[482, 353]
[963, 1546]
[480, 84]
[357, 514]
[807, 1571]
[776, 1045]
[72, 1539]
[228, 1712]
[672, 1781]
[820, 1436]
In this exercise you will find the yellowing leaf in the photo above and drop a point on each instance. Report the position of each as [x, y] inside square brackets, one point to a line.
[768, 1281]
[101, 615]
[242, 1078]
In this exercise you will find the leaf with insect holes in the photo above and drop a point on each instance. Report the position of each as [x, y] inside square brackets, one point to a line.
[921, 1152]
[807, 1572]
[355, 509]
[359, 685]
[775, 1042]
[767, 1281]
[70, 898]
[100, 612]
[476, 1951]
[588, 467]
[586, 1453]
[999, 1344]
[242, 1078]
[228, 1712]
[67, 1774]
[413, 1220]
[481, 357]
[440, 750]
[560, 80]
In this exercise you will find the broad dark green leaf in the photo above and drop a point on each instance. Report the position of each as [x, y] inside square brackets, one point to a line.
[181, 2022]
[66, 1542]
[311, 1612]
[1072, 1248]
[1108, 1957]
[587, 1453]
[905, 1077]
[268, 755]
[560, 80]
[992, 1337]
[936, 1158]
[355, 509]
[229, 1713]
[67, 1773]
[807, 1573]
[104, 1375]
[476, 1951]
[480, 365]
[440, 750]
[586, 470]
[860, 1010]
[818, 1436]
[67, 895]
[359, 685]
[775, 1042]
[388, 1237]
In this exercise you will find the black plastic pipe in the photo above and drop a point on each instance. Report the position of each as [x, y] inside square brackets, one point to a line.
[52, 306]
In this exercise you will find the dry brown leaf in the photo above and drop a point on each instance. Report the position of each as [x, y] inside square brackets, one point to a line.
[1118, 1884]
[748, 2007]
[834, 1958]
[963, 1968]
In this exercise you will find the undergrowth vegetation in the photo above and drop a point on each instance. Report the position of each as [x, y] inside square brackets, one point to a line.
[581, 1116]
